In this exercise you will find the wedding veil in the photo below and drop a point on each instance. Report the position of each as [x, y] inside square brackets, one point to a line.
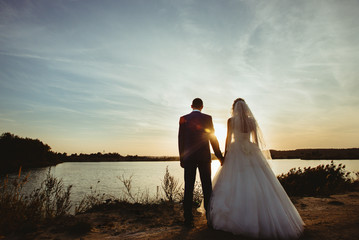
[243, 121]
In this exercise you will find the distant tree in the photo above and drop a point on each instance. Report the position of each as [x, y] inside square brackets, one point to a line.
[16, 151]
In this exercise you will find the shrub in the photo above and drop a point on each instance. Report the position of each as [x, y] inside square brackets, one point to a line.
[12, 203]
[17, 210]
[322, 180]
[197, 194]
[90, 201]
[51, 198]
[173, 192]
[170, 187]
[139, 197]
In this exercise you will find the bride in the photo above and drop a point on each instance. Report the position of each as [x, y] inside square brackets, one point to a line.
[247, 198]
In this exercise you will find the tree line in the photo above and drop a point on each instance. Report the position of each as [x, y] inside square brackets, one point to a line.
[16, 151]
[26, 152]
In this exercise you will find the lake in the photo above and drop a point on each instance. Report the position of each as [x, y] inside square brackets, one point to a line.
[102, 177]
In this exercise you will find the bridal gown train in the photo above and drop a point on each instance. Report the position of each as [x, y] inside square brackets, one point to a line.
[247, 198]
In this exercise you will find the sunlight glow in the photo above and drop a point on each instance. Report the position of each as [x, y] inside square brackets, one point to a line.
[214, 167]
[221, 134]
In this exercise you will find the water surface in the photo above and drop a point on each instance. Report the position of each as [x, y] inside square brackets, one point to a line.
[103, 177]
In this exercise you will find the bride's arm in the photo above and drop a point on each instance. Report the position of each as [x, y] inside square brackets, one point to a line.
[229, 135]
[254, 133]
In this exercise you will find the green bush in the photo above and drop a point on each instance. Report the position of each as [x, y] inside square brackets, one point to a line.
[322, 180]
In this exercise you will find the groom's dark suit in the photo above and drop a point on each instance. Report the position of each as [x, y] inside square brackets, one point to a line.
[194, 135]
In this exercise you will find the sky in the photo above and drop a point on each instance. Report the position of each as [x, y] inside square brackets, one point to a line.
[115, 76]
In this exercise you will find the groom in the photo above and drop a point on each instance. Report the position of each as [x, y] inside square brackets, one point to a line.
[195, 133]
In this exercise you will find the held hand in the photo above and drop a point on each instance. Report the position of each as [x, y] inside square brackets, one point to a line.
[222, 161]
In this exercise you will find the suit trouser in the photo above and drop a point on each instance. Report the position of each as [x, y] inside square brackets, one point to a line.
[189, 179]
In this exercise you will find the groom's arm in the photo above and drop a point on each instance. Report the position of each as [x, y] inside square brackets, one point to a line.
[215, 146]
[181, 139]
[214, 142]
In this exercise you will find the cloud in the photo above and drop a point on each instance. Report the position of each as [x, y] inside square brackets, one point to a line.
[126, 69]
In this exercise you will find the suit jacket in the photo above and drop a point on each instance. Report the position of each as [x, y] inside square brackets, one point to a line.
[195, 133]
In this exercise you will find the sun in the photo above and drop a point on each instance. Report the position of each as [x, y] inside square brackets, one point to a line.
[221, 134]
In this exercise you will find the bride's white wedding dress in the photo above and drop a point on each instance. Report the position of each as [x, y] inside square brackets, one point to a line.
[247, 198]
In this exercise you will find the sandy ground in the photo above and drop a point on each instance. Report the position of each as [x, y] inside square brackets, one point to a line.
[335, 217]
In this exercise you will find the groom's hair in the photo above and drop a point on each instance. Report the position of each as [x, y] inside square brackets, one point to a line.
[197, 103]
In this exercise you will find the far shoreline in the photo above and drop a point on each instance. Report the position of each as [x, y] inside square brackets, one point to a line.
[302, 154]
[18, 152]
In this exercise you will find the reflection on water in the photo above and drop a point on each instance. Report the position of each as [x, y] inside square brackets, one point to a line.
[102, 177]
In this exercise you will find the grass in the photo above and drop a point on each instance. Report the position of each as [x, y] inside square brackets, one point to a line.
[90, 200]
[19, 212]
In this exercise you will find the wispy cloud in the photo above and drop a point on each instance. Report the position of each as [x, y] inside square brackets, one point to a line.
[124, 71]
